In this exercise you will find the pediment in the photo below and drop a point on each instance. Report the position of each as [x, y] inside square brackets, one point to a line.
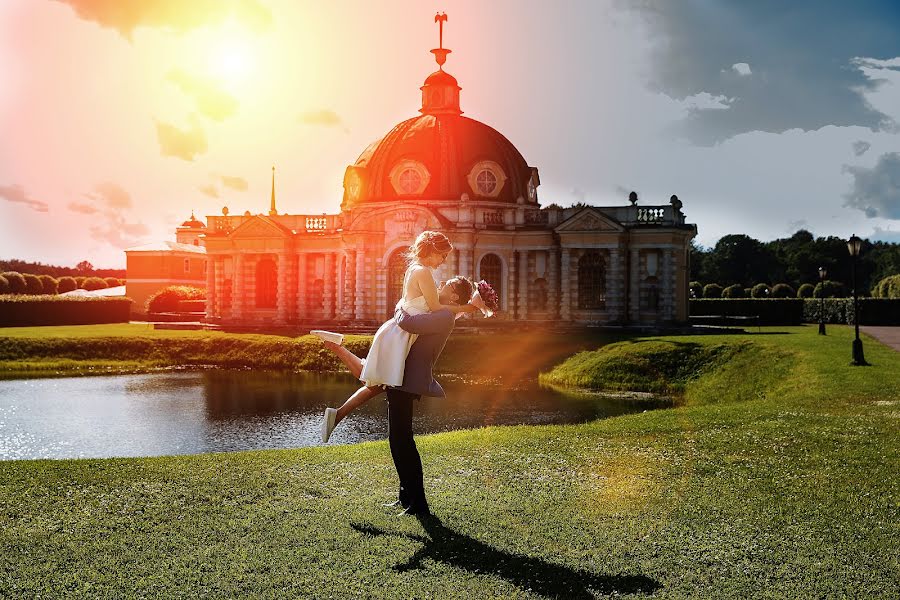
[589, 219]
[403, 221]
[258, 227]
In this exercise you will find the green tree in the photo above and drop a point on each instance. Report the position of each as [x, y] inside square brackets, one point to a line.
[49, 284]
[889, 287]
[733, 291]
[84, 267]
[712, 290]
[741, 259]
[16, 282]
[66, 284]
[93, 283]
[33, 285]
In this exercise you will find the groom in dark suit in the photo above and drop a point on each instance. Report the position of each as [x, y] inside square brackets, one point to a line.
[433, 330]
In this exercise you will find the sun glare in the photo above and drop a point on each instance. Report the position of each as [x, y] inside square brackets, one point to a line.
[232, 62]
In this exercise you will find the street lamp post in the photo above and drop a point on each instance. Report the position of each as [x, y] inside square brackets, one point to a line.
[854, 245]
[822, 274]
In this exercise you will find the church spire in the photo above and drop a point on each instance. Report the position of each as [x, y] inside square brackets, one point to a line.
[440, 94]
[272, 210]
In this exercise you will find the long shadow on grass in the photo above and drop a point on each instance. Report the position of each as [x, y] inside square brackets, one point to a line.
[545, 578]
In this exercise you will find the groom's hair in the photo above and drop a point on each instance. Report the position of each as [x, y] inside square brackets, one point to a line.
[462, 287]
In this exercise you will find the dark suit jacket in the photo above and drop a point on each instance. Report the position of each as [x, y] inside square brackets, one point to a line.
[433, 330]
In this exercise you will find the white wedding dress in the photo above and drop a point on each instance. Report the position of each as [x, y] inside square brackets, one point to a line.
[387, 356]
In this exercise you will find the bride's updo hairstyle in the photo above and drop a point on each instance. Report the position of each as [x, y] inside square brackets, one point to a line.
[428, 242]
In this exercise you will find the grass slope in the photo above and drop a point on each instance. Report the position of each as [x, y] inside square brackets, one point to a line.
[785, 490]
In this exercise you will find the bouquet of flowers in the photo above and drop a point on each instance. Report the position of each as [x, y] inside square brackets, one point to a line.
[485, 298]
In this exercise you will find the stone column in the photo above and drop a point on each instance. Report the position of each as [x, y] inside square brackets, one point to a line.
[210, 287]
[349, 273]
[565, 286]
[453, 263]
[668, 282]
[510, 284]
[281, 291]
[463, 265]
[360, 285]
[553, 282]
[237, 288]
[218, 264]
[614, 285]
[522, 302]
[634, 293]
[329, 285]
[338, 290]
[302, 287]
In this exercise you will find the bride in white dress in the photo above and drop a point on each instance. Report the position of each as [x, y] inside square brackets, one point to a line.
[385, 363]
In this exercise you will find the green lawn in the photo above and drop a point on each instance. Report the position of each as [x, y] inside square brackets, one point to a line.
[777, 477]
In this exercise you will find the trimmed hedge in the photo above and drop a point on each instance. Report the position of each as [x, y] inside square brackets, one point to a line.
[760, 290]
[783, 290]
[712, 290]
[18, 310]
[889, 287]
[93, 283]
[50, 284]
[167, 299]
[806, 290]
[33, 284]
[4, 285]
[733, 291]
[872, 311]
[771, 311]
[66, 284]
[15, 281]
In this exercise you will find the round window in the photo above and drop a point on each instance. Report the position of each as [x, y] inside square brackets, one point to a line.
[486, 181]
[410, 181]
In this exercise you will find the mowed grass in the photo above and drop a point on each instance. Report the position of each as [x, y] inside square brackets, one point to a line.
[778, 477]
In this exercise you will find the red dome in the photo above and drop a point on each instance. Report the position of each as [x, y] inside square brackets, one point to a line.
[449, 146]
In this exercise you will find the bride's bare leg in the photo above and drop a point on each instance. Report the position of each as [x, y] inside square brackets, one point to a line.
[352, 361]
[359, 397]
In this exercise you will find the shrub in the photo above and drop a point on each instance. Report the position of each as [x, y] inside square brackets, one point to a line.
[79, 280]
[712, 290]
[783, 290]
[66, 284]
[696, 289]
[748, 292]
[16, 282]
[889, 287]
[805, 290]
[733, 291]
[167, 299]
[760, 290]
[33, 285]
[93, 283]
[112, 282]
[830, 289]
[18, 311]
[49, 283]
[872, 311]
[4, 285]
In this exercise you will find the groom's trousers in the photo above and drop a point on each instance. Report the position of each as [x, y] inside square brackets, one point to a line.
[403, 448]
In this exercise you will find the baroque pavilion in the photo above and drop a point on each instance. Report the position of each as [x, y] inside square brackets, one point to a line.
[624, 265]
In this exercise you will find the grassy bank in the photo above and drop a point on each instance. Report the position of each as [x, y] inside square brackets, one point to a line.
[132, 348]
[786, 487]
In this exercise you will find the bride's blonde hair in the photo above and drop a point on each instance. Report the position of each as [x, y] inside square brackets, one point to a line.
[428, 242]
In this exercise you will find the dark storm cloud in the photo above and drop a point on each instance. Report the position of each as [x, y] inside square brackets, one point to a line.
[177, 15]
[876, 191]
[801, 54]
[16, 194]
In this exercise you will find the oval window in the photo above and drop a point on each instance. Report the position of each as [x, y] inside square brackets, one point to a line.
[486, 182]
[410, 181]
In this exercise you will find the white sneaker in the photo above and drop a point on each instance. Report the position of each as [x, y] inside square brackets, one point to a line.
[328, 424]
[328, 336]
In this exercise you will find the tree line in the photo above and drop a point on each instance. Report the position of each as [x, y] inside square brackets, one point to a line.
[741, 261]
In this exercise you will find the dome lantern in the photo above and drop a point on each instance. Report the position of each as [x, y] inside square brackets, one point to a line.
[440, 94]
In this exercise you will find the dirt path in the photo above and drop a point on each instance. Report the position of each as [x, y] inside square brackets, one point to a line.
[885, 335]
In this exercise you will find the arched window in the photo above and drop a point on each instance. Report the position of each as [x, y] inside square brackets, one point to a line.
[491, 270]
[410, 180]
[591, 288]
[396, 271]
[266, 283]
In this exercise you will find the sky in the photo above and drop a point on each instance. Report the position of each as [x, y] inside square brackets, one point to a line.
[120, 117]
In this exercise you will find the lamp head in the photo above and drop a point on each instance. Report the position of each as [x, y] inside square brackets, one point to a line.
[854, 244]
[822, 273]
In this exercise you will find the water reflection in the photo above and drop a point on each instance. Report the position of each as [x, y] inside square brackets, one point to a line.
[214, 411]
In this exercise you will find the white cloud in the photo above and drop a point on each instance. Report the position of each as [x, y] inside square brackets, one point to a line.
[742, 69]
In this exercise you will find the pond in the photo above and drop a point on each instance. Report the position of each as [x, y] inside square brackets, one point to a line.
[192, 412]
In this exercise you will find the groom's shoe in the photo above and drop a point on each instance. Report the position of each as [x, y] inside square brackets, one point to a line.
[328, 423]
[394, 504]
[328, 336]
